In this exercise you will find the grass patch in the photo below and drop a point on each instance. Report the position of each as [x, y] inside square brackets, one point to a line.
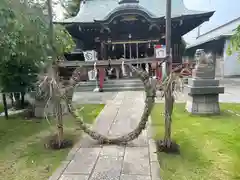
[209, 145]
[22, 152]
[1, 108]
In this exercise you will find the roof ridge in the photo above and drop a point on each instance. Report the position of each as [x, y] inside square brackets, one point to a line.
[221, 26]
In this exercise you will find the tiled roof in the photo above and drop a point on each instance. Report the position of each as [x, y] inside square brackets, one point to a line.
[217, 33]
[91, 10]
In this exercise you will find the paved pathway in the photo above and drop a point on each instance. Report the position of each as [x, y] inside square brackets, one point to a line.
[93, 97]
[136, 161]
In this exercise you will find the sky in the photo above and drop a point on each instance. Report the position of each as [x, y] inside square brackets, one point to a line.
[225, 11]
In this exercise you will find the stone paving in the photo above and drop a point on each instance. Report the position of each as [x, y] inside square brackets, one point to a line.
[231, 94]
[136, 161]
[93, 97]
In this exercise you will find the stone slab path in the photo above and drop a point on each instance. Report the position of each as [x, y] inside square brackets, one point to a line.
[136, 161]
[93, 97]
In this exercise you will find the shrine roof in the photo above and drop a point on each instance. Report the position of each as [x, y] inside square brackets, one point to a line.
[222, 31]
[100, 10]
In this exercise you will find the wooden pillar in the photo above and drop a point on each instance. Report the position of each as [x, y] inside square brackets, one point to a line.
[130, 51]
[137, 54]
[102, 50]
[105, 51]
[168, 37]
[101, 78]
[124, 49]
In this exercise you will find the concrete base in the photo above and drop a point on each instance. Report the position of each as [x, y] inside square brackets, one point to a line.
[203, 104]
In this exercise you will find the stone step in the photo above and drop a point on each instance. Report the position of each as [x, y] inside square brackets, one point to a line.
[111, 89]
[111, 82]
[112, 85]
[115, 89]
[84, 89]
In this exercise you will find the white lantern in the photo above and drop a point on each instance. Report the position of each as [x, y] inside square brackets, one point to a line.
[90, 55]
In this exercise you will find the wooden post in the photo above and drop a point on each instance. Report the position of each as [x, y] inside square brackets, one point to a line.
[101, 78]
[137, 54]
[168, 94]
[168, 36]
[5, 105]
[50, 14]
[124, 49]
[130, 51]
[102, 51]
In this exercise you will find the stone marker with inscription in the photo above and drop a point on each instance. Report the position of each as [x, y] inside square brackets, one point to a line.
[203, 89]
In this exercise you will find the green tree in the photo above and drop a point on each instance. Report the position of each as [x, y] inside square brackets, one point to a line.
[24, 44]
[234, 45]
[71, 7]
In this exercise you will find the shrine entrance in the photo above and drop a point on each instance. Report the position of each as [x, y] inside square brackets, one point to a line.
[129, 50]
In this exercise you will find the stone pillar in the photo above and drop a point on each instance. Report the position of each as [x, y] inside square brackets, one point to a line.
[203, 90]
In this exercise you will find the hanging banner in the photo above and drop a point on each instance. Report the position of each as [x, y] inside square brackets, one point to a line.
[90, 55]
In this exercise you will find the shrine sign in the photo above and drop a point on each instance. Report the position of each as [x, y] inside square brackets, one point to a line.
[160, 51]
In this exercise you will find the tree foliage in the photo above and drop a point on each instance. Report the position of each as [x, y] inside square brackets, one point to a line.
[24, 44]
[71, 7]
[234, 46]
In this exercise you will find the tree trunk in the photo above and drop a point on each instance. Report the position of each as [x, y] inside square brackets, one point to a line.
[22, 100]
[54, 69]
[17, 103]
[168, 118]
[59, 123]
[5, 105]
[12, 101]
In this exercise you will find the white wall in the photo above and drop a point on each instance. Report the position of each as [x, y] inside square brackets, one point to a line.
[231, 63]
[219, 66]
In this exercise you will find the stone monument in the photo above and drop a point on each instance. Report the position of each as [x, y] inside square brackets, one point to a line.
[203, 89]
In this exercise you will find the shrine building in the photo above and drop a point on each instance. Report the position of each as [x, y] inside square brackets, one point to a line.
[126, 30]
